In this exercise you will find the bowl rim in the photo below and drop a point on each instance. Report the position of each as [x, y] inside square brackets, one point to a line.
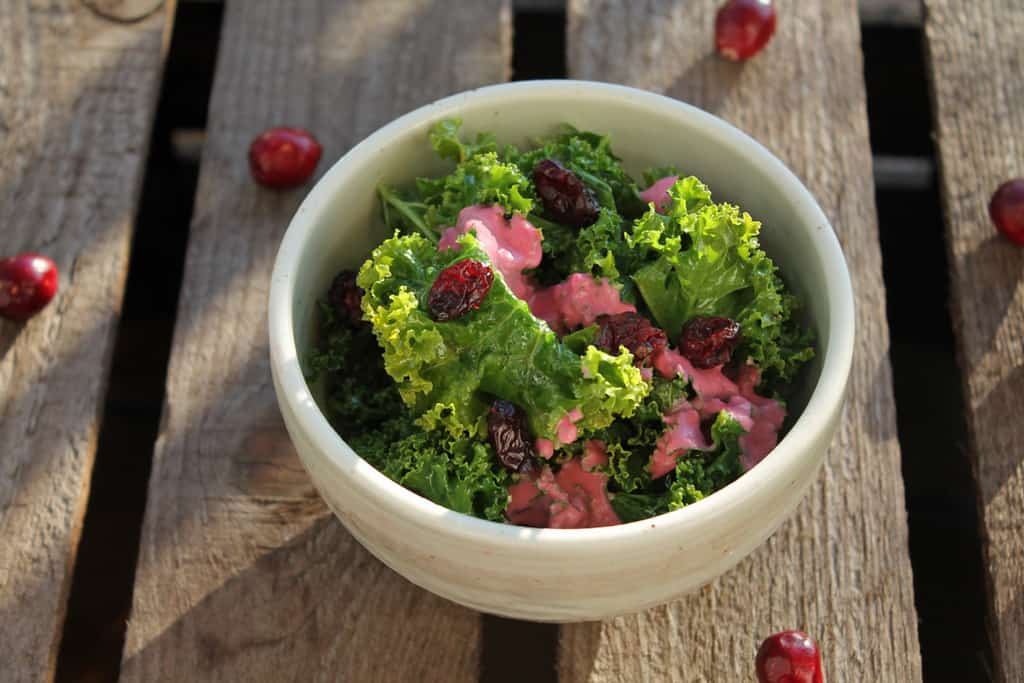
[295, 395]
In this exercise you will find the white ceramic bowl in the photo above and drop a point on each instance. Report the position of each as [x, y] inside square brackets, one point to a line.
[556, 574]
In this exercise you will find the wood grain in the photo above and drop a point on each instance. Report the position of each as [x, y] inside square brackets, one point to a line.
[840, 567]
[77, 98]
[976, 61]
[886, 12]
[243, 574]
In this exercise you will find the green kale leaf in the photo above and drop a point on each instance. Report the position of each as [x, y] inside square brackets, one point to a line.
[359, 393]
[629, 443]
[461, 474]
[632, 507]
[480, 177]
[444, 138]
[697, 475]
[590, 157]
[448, 373]
[704, 259]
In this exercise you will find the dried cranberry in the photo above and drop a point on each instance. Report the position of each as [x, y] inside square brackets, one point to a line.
[510, 436]
[633, 331]
[345, 297]
[27, 283]
[565, 197]
[459, 289]
[707, 342]
[284, 157]
[789, 657]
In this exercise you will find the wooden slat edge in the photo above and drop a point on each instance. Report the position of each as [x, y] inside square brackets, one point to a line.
[76, 112]
[840, 567]
[243, 574]
[975, 59]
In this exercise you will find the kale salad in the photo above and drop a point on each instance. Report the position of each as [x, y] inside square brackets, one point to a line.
[544, 341]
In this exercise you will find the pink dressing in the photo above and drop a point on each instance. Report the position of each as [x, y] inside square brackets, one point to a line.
[759, 416]
[575, 498]
[594, 455]
[768, 415]
[513, 246]
[710, 383]
[682, 435]
[566, 430]
[577, 302]
[565, 433]
[737, 407]
[526, 506]
[658, 193]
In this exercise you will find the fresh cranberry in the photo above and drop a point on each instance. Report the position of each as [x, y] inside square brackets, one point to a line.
[566, 199]
[27, 283]
[1007, 210]
[459, 289]
[743, 28]
[631, 330]
[284, 157]
[345, 297]
[707, 342]
[789, 657]
[510, 436]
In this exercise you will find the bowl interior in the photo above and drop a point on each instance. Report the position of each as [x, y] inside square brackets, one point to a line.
[347, 220]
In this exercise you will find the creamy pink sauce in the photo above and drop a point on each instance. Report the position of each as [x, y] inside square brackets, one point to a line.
[683, 434]
[768, 415]
[512, 245]
[710, 383]
[575, 498]
[565, 433]
[760, 417]
[658, 193]
[577, 302]
[566, 430]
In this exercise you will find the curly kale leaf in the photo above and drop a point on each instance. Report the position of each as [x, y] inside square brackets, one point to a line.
[629, 443]
[479, 177]
[448, 373]
[590, 157]
[697, 475]
[703, 258]
[461, 474]
[359, 393]
[444, 138]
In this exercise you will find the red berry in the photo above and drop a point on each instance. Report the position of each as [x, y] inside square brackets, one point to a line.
[743, 28]
[27, 283]
[707, 342]
[459, 289]
[631, 330]
[284, 157]
[566, 199]
[789, 657]
[510, 436]
[1007, 210]
[346, 297]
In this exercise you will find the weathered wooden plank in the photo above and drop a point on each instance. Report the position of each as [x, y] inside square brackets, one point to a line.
[977, 77]
[243, 574]
[840, 568]
[886, 12]
[77, 98]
